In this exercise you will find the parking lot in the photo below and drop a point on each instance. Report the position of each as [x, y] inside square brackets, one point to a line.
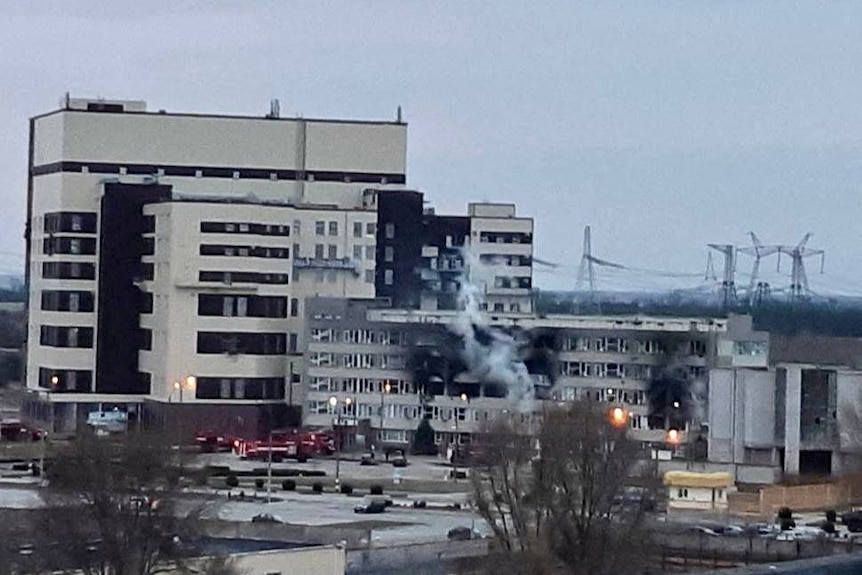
[419, 468]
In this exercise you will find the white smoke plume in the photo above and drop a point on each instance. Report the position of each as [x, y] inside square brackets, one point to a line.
[495, 357]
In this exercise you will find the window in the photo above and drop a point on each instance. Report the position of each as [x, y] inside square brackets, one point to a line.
[294, 307]
[357, 229]
[357, 252]
[239, 388]
[388, 278]
[332, 252]
[389, 253]
[369, 276]
[61, 300]
[499, 307]
[390, 231]
[319, 228]
[370, 229]
[515, 308]
[75, 246]
[58, 222]
[244, 228]
[250, 343]
[292, 343]
[297, 228]
[333, 228]
[370, 253]
[66, 336]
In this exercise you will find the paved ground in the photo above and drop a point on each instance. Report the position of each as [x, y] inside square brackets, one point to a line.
[408, 525]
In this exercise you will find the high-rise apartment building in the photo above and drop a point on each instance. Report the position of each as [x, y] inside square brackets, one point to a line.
[169, 255]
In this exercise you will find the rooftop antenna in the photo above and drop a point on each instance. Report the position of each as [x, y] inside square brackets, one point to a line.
[758, 251]
[728, 282]
[398, 115]
[274, 109]
[798, 276]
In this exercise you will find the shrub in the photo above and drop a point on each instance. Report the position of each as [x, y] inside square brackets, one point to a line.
[288, 485]
[828, 527]
[376, 490]
[831, 516]
[346, 488]
[258, 483]
[317, 487]
[785, 513]
[787, 524]
[420, 504]
[231, 481]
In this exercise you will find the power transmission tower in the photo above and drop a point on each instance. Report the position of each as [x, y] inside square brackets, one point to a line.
[586, 271]
[728, 281]
[758, 251]
[798, 276]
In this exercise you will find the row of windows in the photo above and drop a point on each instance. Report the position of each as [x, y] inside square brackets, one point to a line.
[369, 336]
[69, 270]
[620, 370]
[65, 245]
[622, 345]
[505, 260]
[63, 300]
[244, 251]
[58, 222]
[357, 360]
[508, 282]
[370, 252]
[242, 306]
[505, 238]
[360, 385]
[248, 343]
[244, 277]
[239, 388]
[66, 336]
[245, 228]
[604, 394]
[370, 229]
[59, 380]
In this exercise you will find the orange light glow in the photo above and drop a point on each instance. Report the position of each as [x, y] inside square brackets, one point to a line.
[618, 416]
[673, 436]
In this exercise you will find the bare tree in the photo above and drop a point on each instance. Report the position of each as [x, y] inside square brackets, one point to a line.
[116, 508]
[562, 505]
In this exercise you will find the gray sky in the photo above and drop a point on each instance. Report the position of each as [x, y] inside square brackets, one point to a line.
[663, 124]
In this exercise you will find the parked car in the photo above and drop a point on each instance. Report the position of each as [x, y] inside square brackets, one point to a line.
[462, 534]
[371, 505]
[853, 521]
[266, 518]
[398, 459]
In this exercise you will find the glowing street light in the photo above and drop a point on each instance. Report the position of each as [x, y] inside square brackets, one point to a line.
[673, 436]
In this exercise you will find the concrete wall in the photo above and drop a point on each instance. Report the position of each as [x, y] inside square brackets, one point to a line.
[328, 560]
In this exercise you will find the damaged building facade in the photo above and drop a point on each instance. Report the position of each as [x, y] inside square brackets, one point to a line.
[781, 405]
[378, 371]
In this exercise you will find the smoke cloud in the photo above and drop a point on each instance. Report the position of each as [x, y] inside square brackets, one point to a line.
[491, 354]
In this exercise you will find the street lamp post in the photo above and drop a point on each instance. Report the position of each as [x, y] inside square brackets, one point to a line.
[465, 398]
[339, 412]
[189, 383]
[384, 389]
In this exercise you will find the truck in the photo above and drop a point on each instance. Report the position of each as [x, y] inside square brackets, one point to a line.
[285, 444]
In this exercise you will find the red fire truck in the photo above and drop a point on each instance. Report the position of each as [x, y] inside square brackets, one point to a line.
[212, 442]
[285, 444]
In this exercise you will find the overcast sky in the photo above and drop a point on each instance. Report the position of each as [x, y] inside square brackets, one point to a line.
[663, 124]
